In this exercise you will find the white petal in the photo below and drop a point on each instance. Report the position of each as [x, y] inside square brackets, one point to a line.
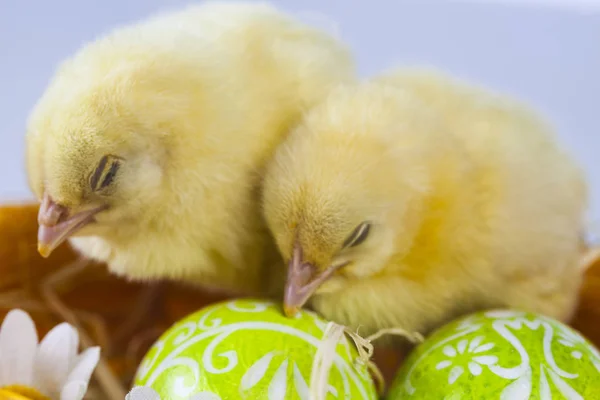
[449, 351]
[462, 345]
[74, 390]
[475, 368]
[142, 393]
[455, 373]
[55, 358]
[85, 364]
[278, 385]
[300, 383]
[18, 345]
[484, 347]
[486, 360]
[256, 372]
[475, 342]
[443, 364]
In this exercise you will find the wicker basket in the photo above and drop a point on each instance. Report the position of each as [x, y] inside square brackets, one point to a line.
[63, 288]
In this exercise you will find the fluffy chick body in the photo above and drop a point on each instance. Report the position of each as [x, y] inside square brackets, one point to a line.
[471, 201]
[195, 102]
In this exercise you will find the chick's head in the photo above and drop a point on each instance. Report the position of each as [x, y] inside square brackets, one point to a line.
[96, 153]
[333, 199]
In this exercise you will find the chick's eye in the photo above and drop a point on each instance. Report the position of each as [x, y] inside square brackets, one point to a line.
[105, 173]
[358, 236]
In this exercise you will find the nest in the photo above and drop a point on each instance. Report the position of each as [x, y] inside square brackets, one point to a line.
[106, 310]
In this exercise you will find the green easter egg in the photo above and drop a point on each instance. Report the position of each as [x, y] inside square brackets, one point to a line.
[501, 354]
[247, 349]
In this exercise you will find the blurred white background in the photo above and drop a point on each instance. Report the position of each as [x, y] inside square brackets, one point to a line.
[546, 52]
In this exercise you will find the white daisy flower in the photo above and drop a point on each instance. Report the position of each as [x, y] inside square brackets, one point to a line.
[472, 352]
[147, 393]
[50, 370]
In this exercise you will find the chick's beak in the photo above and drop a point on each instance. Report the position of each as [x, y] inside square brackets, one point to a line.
[302, 281]
[57, 224]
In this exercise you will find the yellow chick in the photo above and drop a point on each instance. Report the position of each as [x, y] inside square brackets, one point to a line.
[413, 198]
[148, 146]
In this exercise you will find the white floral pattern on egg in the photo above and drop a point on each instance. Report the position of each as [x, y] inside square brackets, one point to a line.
[247, 349]
[501, 354]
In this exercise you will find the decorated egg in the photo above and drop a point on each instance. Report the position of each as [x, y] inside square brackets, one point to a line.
[501, 354]
[247, 349]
